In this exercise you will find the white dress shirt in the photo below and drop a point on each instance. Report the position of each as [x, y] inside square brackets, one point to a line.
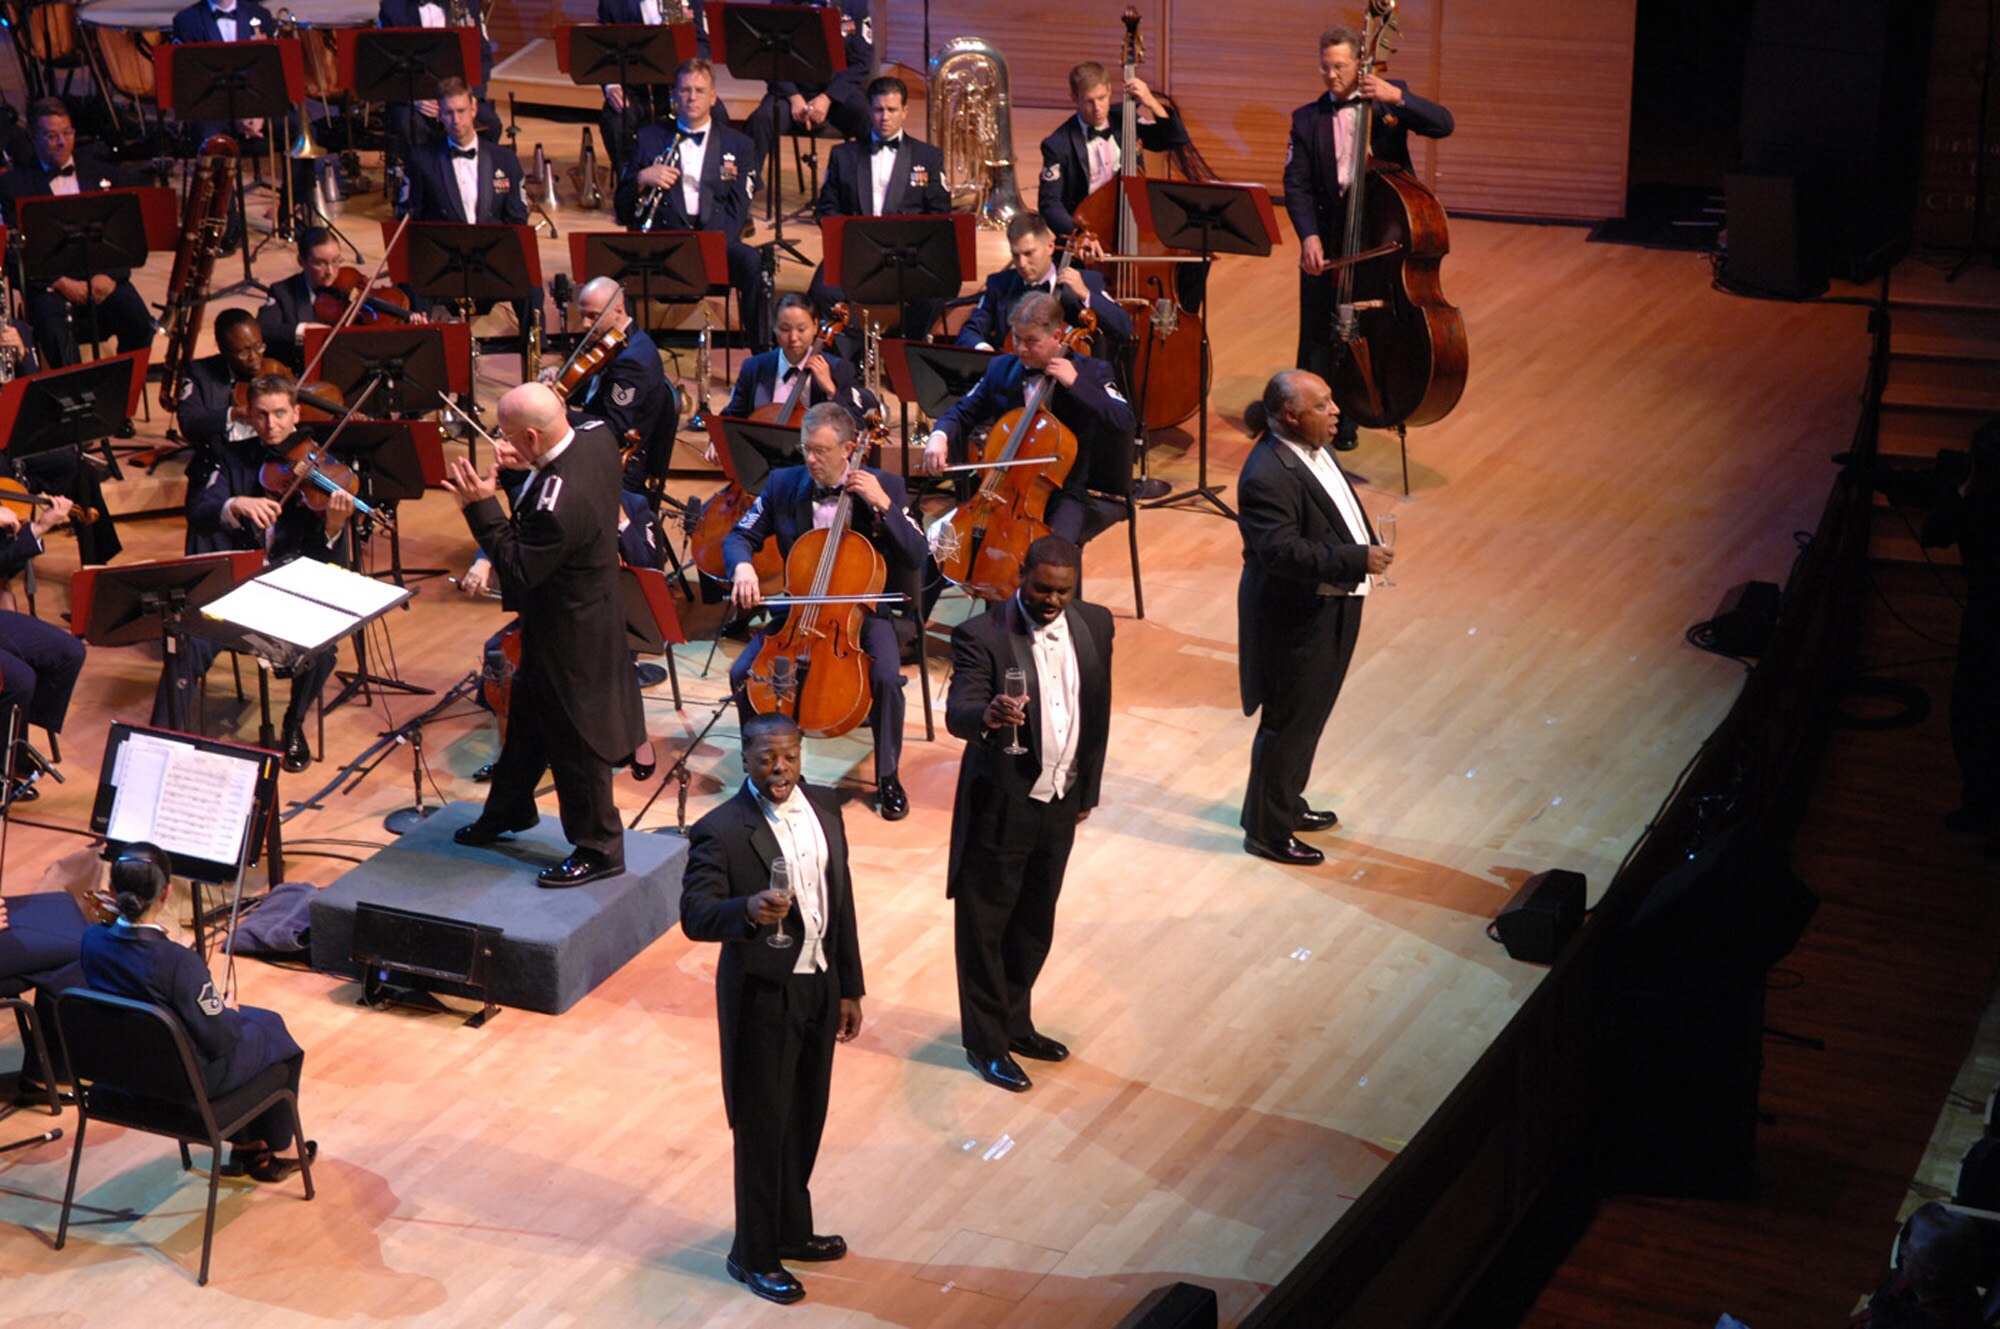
[802, 843]
[430, 16]
[1320, 461]
[1057, 684]
[225, 20]
[466, 172]
[691, 156]
[1102, 154]
[881, 170]
[63, 184]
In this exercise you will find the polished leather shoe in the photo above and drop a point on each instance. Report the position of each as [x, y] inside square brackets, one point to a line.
[778, 1286]
[890, 799]
[1039, 1047]
[481, 831]
[484, 775]
[298, 753]
[814, 1249]
[1002, 1071]
[1312, 819]
[578, 868]
[1291, 851]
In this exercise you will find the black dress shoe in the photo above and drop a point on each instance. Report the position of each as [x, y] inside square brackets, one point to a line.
[298, 753]
[578, 868]
[890, 799]
[1312, 819]
[1291, 851]
[815, 1248]
[779, 1286]
[484, 775]
[1002, 1071]
[481, 831]
[1346, 442]
[1039, 1047]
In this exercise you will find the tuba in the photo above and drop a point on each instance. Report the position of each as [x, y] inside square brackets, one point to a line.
[971, 120]
[204, 218]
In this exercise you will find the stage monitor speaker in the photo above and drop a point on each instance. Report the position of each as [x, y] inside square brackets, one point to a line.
[1745, 619]
[1175, 1306]
[1777, 242]
[1541, 918]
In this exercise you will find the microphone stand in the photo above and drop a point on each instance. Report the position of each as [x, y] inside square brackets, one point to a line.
[679, 772]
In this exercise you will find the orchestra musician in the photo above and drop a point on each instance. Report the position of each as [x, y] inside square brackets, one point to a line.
[57, 471]
[842, 103]
[1033, 245]
[1320, 159]
[288, 311]
[206, 417]
[774, 375]
[630, 395]
[1081, 156]
[1085, 400]
[39, 662]
[704, 168]
[237, 21]
[405, 130]
[234, 511]
[797, 499]
[58, 310]
[886, 174]
[625, 111]
[575, 708]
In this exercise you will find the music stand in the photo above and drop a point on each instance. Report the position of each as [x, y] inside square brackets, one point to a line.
[81, 235]
[933, 376]
[70, 408]
[140, 602]
[1210, 219]
[399, 64]
[232, 81]
[587, 51]
[750, 450]
[777, 44]
[651, 625]
[467, 262]
[416, 364]
[900, 259]
[674, 266]
[396, 461]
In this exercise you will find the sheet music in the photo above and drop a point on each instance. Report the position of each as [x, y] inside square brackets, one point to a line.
[191, 803]
[263, 608]
[336, 586]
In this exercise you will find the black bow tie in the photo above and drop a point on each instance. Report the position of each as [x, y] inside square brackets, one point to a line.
[64, 173]
[1098, 133]
[791, 372]
[695, 136]
[826, 493]
[890, 143]
[470, 154]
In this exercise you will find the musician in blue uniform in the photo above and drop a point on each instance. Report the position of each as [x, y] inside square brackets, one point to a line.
[411, 123]
[630, 395]
[628, 109]
[39, 662]
[792, 366]
[204, 416]
[288, 310]
[1033, 268]
[133, 957]
[797, 499]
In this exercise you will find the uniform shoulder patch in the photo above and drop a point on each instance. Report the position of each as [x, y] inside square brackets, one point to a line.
[1111, 391]
[623, 394]
[551, 490]
[210, 1000]
[187, 388]
[1052, 172]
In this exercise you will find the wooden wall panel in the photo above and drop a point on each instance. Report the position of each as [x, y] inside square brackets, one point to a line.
[1041, 39]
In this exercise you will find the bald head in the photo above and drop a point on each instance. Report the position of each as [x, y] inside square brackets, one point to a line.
[596, 294]
[532, 419]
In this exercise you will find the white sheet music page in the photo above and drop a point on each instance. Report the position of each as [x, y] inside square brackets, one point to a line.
[328, 584]
[204, 799]
[265, 609]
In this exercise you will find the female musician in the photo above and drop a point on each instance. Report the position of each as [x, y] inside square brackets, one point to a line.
[794, 366]
[797, 499]
[1319, 165]
[133, 957]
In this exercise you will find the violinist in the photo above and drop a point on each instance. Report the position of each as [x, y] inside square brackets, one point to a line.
[797, 499]
[1033, 245]
[631, 394]
[39, 662]
[57, 471]
[288, 312]
[205, 417]
[575, 707]
[793, 366]
[234, 511]
[1320, 160]
[1085, 400]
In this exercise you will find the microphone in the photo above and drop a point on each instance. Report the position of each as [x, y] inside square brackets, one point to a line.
[561, 289]
[784, 682]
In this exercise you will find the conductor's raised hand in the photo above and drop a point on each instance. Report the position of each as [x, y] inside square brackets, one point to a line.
[467, 485]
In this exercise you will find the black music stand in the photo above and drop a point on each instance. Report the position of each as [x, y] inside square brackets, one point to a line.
[1210, 219]
[395, 461]
[897, 260]
[401, 64]
[933, 376]
[777, 44]
[412, 364]
[70, 408]
[232, 81]
[588, 52]
[753, 448]
[673, 266]
[81, 235]
[133, 603]
[469, 263]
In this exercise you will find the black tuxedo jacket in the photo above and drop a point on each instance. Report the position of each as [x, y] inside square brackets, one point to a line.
[433, 185]
[31, 181]
[983, 648]
[730, 852]
[916, 185]
[1294, 541]
[847, 85]
[1066, 164]
[289, 304]
[196, 23]
[757, 385]
[725, 181]
[1092, 409]
[557, 559]
[785, 510]
[1313, 196]
[403, 14]
[989, 320]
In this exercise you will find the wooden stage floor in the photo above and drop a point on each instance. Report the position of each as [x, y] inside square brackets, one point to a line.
[1252, 1042]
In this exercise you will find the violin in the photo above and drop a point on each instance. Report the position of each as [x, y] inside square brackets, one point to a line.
[814, 668]
[981, 543]
[609, 345]
[349, 288]
[18, 499]
[318, 402]
[496, 676]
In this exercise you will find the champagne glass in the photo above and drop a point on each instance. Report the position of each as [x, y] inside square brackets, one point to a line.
[781, 880]
[1385, 535]
[1017, 686]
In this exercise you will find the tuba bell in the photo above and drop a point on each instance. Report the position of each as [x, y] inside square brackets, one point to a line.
[971, 120]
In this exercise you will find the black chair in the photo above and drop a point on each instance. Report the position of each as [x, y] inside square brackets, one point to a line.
[1112, 501]
[135, 1068]
[15, 994]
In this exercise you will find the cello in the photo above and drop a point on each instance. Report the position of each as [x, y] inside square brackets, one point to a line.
[1404, 360]
[1166, 338]
[981, 543]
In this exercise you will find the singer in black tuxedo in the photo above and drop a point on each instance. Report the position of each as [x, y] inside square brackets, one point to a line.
[575, 708]
[58, 310]
[797, 499]
[1014, 817]
[779, 1011]
[1033, 268]
[1315, 195]
[1308, 552]
[722, 162]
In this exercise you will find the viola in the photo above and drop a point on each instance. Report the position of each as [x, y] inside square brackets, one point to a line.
[586, 362]
[349, 288]
[23, 502]
[981, 543]
[819, 647]
[304, 470]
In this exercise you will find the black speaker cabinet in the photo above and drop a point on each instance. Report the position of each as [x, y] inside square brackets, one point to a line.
[1778, 234]
[1175, 1306]
[1541, 918]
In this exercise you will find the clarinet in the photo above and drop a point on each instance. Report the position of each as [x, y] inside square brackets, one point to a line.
[655, 198]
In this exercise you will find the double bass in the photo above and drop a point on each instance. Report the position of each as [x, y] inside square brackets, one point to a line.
[1404, 360]
[1166, 339]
